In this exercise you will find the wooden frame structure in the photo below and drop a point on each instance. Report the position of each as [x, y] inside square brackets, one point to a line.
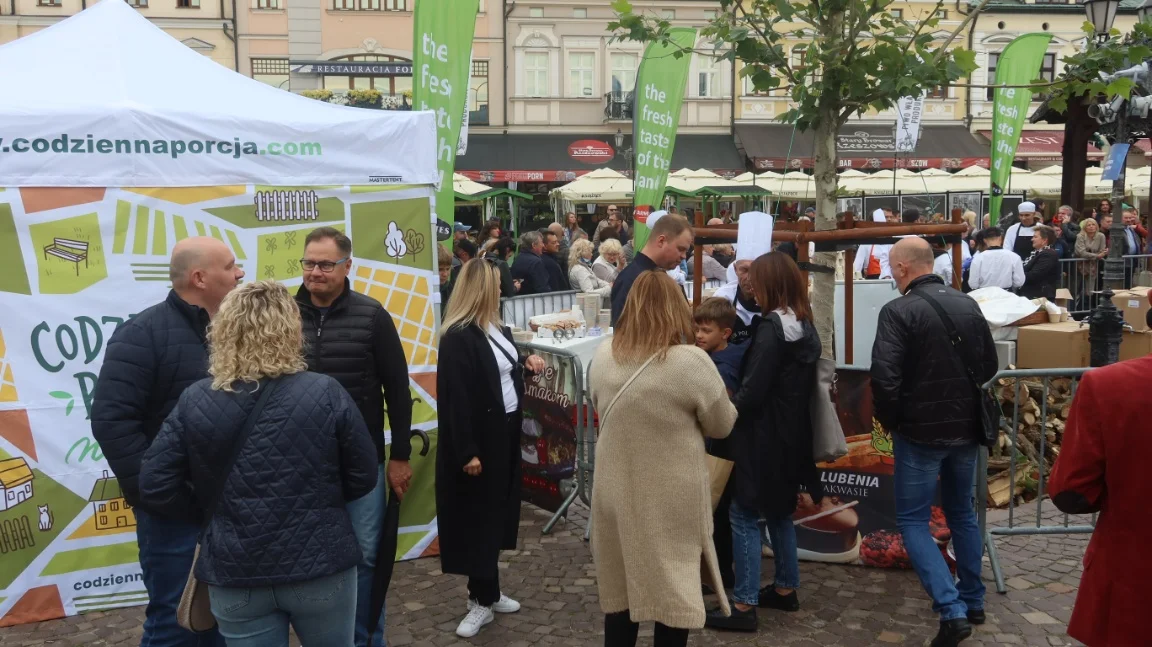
[848, 235]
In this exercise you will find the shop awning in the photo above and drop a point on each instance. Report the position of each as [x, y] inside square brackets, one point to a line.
[563, 158]
[775, 147]
[1048, 146]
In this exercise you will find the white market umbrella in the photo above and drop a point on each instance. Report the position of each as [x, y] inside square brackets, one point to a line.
[599, 186]
[464, 186]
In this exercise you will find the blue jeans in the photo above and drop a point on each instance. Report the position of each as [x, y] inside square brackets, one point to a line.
[322, 611]
[166, 550]
[917, 468]
[746, 543]
[367, 515]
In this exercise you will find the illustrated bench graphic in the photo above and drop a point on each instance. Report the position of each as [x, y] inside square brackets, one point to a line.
[69, 250]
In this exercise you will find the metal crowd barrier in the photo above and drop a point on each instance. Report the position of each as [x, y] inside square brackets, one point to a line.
[1085, 285]
[1011, 424]
[579, 486]
[710, 284]
[516, 311]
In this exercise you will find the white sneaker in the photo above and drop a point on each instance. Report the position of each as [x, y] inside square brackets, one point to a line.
[504, 605]
[477, 617]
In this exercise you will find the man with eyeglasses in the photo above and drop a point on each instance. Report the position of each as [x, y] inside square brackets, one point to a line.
[352, 339]
[614, 221]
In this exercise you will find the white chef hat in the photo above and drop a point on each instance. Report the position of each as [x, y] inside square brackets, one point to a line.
[1026, 207]
[654, 216]
[878, 216]
[754, 235]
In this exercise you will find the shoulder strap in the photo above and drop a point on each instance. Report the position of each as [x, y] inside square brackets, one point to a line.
[503, 351]
[624, 388]
[953, 336]
[237, 443]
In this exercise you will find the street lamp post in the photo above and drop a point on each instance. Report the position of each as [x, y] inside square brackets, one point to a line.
[1106, 323]
[626, 153]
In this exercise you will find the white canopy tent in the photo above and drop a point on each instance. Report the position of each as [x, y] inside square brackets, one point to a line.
[597, 187]
[463, 186]
[140, 106]
[117, 142]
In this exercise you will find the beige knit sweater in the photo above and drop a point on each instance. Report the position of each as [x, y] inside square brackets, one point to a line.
[651, 505]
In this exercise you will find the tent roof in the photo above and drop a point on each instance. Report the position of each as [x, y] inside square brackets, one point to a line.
[108, 75]
[601, 185]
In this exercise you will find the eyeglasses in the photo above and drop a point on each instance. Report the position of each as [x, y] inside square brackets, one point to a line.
[325, 266]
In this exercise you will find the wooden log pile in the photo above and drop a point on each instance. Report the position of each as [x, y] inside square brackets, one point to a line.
[1040, 422]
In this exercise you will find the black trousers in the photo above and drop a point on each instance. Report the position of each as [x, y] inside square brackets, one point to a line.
[620, 631]
[484, 591]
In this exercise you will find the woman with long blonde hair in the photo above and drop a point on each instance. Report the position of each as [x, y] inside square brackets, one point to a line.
[479, 387]
[651, 508]
[265, 455]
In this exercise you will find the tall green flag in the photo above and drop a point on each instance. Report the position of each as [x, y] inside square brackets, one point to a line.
[655, 117]
[442, 51]
[1018, 64]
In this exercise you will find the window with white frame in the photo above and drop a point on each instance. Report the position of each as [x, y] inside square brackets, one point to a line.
[623, 71]
[267, 4]
[707, 76]
[536, 74]
[273, 71]
[580, 73]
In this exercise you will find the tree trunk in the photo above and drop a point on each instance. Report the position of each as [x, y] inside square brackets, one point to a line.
[1078, 131]
[824, 283]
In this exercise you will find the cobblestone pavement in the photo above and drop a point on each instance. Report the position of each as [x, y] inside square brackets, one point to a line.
[554, 579]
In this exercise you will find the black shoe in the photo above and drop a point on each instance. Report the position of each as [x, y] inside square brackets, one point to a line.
[976, 616]
[738, 621]
[770, 599]
[952, 632]
[708, 590]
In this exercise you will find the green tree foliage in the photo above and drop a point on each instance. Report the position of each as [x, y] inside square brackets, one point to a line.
[859, 57]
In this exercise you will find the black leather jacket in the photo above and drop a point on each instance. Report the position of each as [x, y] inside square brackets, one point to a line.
[920, 387]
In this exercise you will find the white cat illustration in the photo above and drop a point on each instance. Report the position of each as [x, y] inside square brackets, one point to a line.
[394, 241]
[45, 518]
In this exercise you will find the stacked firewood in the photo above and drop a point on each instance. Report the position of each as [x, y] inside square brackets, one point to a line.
[1039, 424]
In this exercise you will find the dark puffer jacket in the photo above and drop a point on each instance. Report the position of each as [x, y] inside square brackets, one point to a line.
[150, 360]
[357, 344]
[281, 517]
[920, 389]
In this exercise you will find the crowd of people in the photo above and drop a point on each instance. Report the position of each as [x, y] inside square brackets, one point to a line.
[247, 428]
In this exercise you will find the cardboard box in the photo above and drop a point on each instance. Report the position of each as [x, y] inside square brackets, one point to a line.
[1135, 345]
[1053, 345]
[1134, 305]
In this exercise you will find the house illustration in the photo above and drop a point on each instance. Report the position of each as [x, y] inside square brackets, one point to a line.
[15, 482]
[111, 510]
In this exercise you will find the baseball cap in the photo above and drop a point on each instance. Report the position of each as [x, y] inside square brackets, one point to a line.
[460, 227]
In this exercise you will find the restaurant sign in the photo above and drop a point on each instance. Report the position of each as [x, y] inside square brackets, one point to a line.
[862, 141]
[863, 163]
[353, 68]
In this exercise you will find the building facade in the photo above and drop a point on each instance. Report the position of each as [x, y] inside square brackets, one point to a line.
[340, 45]
[204, 25]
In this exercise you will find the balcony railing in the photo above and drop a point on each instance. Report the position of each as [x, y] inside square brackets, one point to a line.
[618, 106]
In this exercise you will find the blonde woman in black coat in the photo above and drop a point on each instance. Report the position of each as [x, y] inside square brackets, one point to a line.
[480, 386]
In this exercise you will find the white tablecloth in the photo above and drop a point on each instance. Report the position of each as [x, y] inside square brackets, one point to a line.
[583, 348]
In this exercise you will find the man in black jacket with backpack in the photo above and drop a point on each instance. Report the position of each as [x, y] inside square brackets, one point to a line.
[924, 393]
[150, 360]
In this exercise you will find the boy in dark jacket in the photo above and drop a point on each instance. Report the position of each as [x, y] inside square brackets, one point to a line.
[715, 319]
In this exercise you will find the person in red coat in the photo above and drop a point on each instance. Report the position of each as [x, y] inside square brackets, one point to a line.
[1103, 468]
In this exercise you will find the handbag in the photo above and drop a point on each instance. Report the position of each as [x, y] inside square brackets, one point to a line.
[194, 612]
[987, 406]
[828, 442]
[719, 471]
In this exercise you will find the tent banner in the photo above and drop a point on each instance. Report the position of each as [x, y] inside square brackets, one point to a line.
[77, 262]
[909, 117]
[655, 118]
[441, 69]
[1018, 64]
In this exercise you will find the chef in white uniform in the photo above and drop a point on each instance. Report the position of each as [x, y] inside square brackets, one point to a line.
[872, 260]
[1018, 238]
[753, 239]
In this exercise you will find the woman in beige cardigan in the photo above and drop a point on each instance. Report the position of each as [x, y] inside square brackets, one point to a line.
[651, 507]
[1091, 246]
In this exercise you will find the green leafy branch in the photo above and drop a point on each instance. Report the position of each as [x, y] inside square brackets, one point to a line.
[1081, 78]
